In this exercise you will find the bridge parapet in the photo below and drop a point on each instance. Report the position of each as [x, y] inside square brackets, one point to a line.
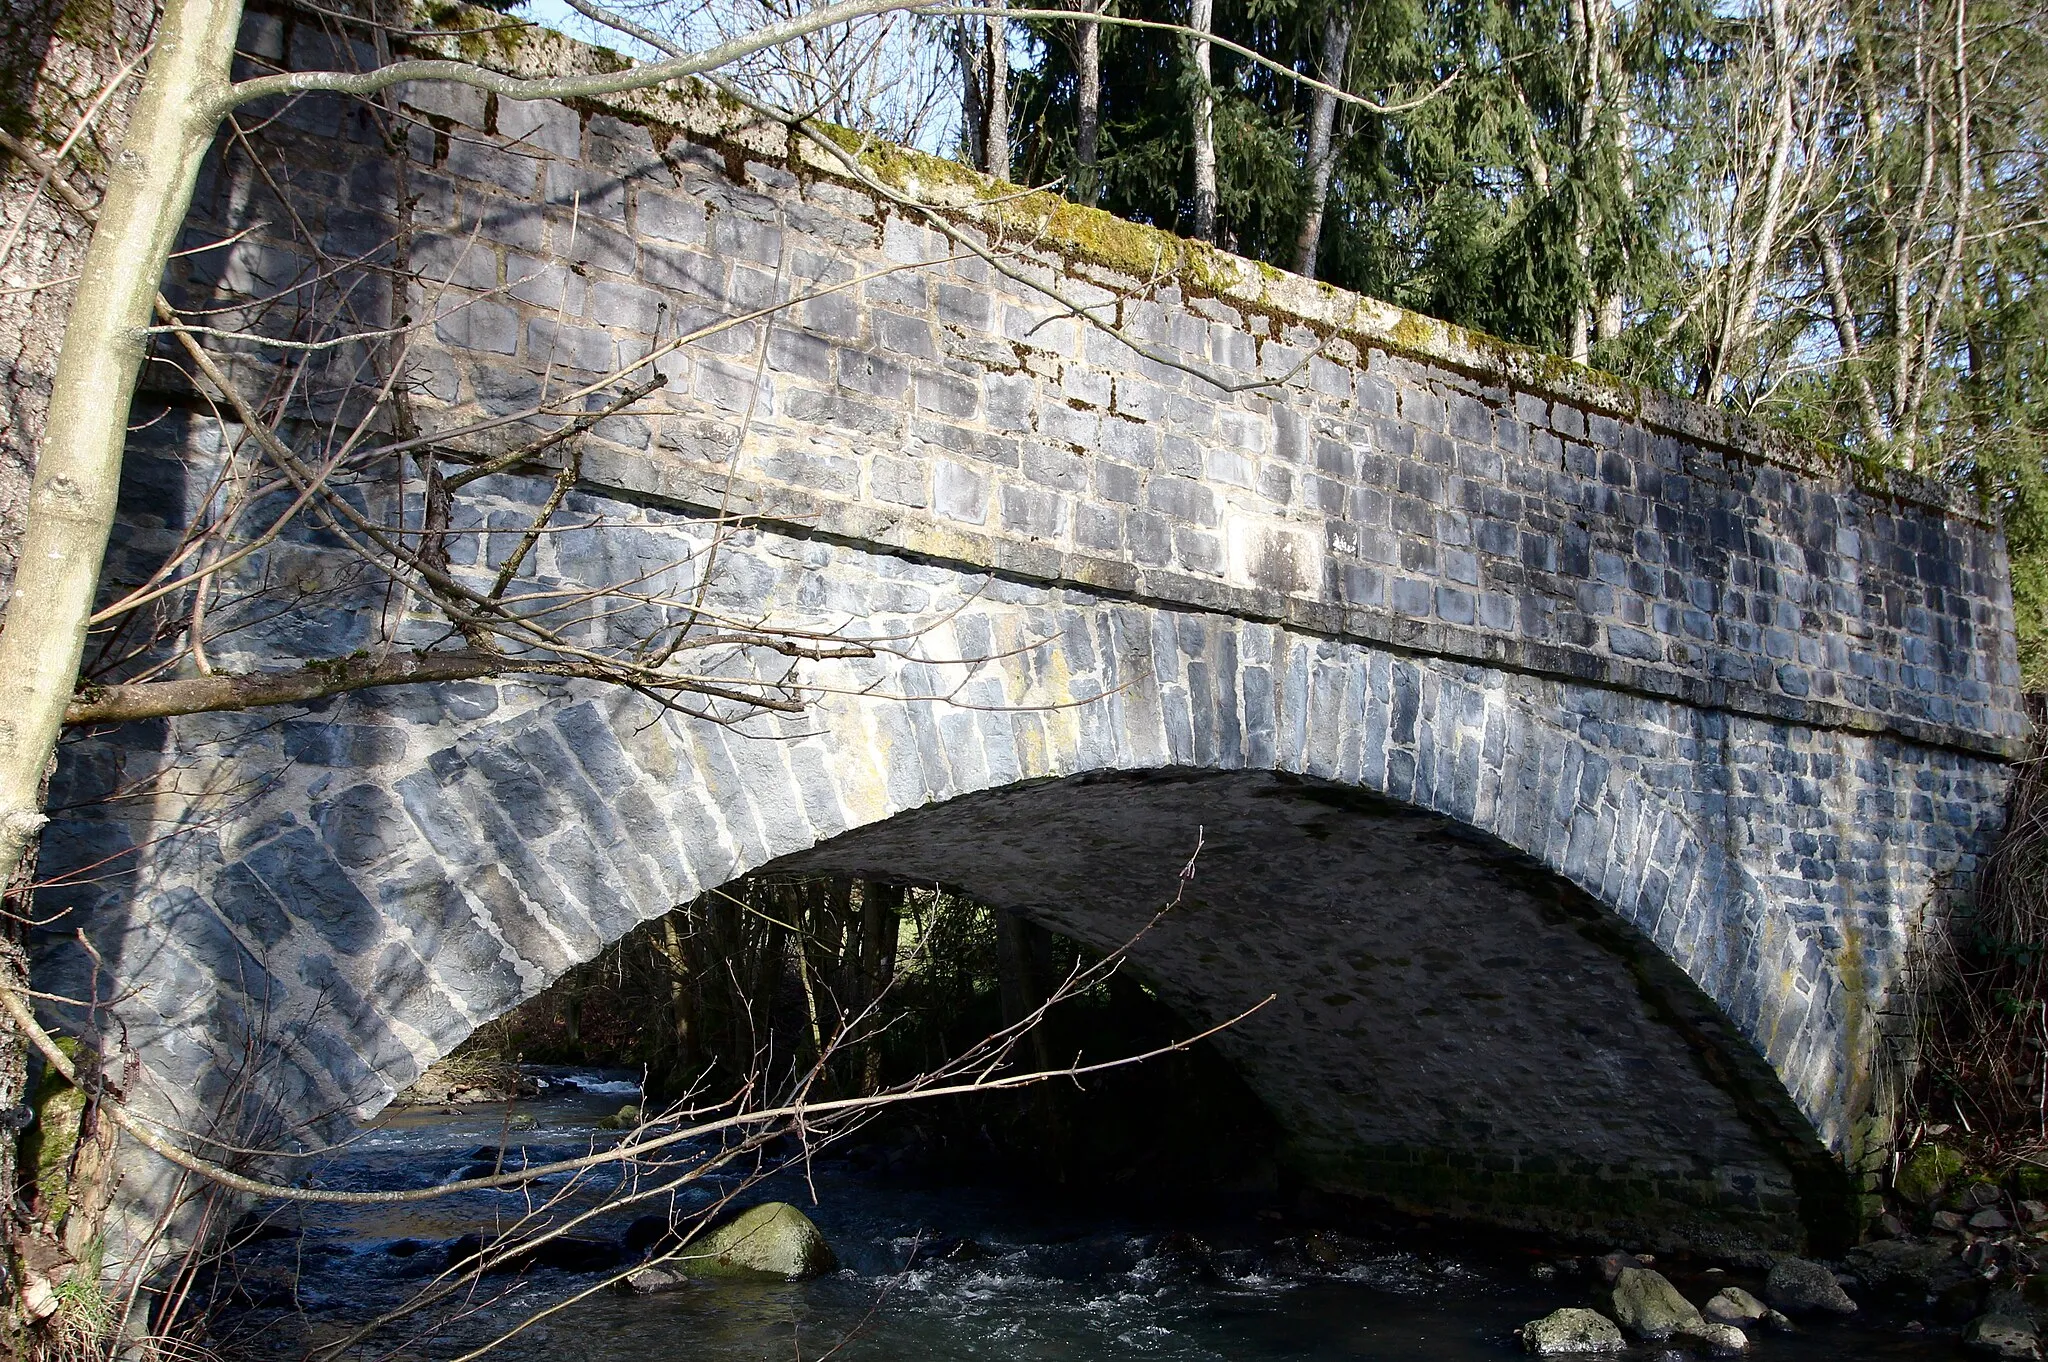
[1356, 471]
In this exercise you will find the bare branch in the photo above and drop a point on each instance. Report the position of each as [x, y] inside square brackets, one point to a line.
[128, 702]
[636, 77]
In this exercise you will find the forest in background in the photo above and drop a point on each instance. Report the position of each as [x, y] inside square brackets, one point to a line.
[1824, 214]
[848, 988]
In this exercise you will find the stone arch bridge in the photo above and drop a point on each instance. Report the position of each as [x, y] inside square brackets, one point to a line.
[1573, 764]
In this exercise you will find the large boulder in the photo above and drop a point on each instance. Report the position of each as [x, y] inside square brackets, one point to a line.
[1562, 1333]
[625, 1118]
[774, 1239]
[1799, 1286]
[1180, 1252]
[1650, 1307]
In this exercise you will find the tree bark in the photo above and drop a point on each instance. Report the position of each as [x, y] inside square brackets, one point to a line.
[971, 52]
[1747, 276]
[300, 685]
[1322, 150]
[1023, 976]
[682, 1007]
[1939, 297]
[1087, 187]
[881, 927]
[17, 1174]
[998, 94]
[78, 469]
[1843, 313]
[1610, 313]
[54, 77]
[1586, 33]
[1201, 20]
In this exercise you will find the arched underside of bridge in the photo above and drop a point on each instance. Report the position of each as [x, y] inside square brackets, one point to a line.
[1450, 1026]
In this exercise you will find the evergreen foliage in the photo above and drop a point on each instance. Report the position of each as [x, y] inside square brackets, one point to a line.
[1654, 188]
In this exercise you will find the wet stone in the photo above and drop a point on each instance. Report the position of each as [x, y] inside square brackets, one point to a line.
[1733, 1305]
[2004, 1334]
[1649, 1306]
[1572, 1332]
[653, 1281]
[1799, 1286]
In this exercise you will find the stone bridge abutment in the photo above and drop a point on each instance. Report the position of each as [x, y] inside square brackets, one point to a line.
[1574, 765]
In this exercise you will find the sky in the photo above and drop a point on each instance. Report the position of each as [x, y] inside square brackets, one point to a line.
[916, 100]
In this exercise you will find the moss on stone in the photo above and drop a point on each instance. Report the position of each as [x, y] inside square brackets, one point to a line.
[1098, 237]
[47, 1144]
[773, 1240]
[483, 36]
[1926, 1171]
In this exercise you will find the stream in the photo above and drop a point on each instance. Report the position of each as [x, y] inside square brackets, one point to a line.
[926, 1272]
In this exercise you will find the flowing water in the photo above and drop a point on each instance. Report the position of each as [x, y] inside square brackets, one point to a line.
[925, 1272]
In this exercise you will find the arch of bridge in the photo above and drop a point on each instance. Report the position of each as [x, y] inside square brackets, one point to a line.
[419, 862]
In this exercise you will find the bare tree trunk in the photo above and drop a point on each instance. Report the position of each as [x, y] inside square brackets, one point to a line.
[1937, 301]
[1087, 105]
[1747, 281]
[682, 1008]
[1023, 974]
[971, 53]
[56, 84]
[17, 1175]
[1843, 313]
[1910, 241]
[92, 1175]
[998, 94]
[1201, 20]
[78, 469]
[1609, 312]
[1322, 149]
[1580, 339]
[881, 924]
[1586, 32]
